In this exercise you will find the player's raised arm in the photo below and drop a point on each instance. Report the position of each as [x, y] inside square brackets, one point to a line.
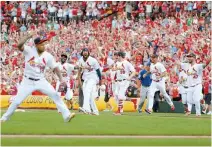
[23, 40]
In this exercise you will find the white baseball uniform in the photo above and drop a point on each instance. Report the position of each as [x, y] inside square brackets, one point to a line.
[114, 82]
[183, 86]
[34, 79]
[158, 83]
[125, 68]
[195, 86]
[91, 79]
[66, 71]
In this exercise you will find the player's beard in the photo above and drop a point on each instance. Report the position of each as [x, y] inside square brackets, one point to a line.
[63, 61]
[85, 57]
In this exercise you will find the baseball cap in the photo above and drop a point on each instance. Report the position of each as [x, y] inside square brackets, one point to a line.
[85, 49]
[38, 40]
[191, 55]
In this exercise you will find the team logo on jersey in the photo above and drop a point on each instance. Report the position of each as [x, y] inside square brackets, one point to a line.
[64, 72]
[41, 66]
[193, 73]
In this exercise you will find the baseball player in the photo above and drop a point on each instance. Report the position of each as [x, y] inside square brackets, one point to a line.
[158, 72]
[124, 73]
[91, 76]
[194, 73]
[36, 62]
[66, 71]
[183, 85]
[114, 76]
[106, 64]
[145, 78]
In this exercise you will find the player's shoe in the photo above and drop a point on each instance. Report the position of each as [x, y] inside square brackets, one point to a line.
[83, 110]
[2, 120]
[172, 107]
[92, 113]
[139, 111]
[188, 113]
[68, 119]
[148, 111]
[117, 113]
[209, 113]
[204, 111]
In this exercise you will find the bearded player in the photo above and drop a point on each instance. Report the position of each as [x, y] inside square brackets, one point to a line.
[66, 71]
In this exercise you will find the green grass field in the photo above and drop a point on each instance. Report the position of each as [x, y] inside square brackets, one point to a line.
[49, 122]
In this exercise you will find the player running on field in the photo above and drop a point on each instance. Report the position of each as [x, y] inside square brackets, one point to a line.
[158, 72]
[36, 62]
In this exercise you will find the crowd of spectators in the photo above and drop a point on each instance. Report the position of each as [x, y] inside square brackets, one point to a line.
[169, 29]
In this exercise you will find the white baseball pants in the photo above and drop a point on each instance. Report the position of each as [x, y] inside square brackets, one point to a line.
[27, 87]
[89, 92]
[121, 89]
[114, 86]
[155, 86]
[194, 97]
[183, 92]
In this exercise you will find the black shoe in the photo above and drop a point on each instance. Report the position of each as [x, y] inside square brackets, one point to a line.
[147, 111]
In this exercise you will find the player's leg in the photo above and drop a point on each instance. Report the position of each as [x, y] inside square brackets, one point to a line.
[92, 98]
[196, 98]
[184, 101]
[57, 85]
[87, 90]
[114, 87]
[118, 86]
[57, 88]
[68, 97]
[122, 94]
[161, 86]
[106, 99]
[208, 102]
[81, 97]
[183, 92]
[49, 90]
[190, 93]
[25, 89]
[156, 101]
[150, 96]
[143, 95]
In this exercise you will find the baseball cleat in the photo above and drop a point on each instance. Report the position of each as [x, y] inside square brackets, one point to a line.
[204, 112]
[209, 113]
[188, 113]
[2, 120]
[172, 107]
[148, 111]
[139, 111]
[117, 113]
[68, 119]
[92, 113]
[83, 110]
